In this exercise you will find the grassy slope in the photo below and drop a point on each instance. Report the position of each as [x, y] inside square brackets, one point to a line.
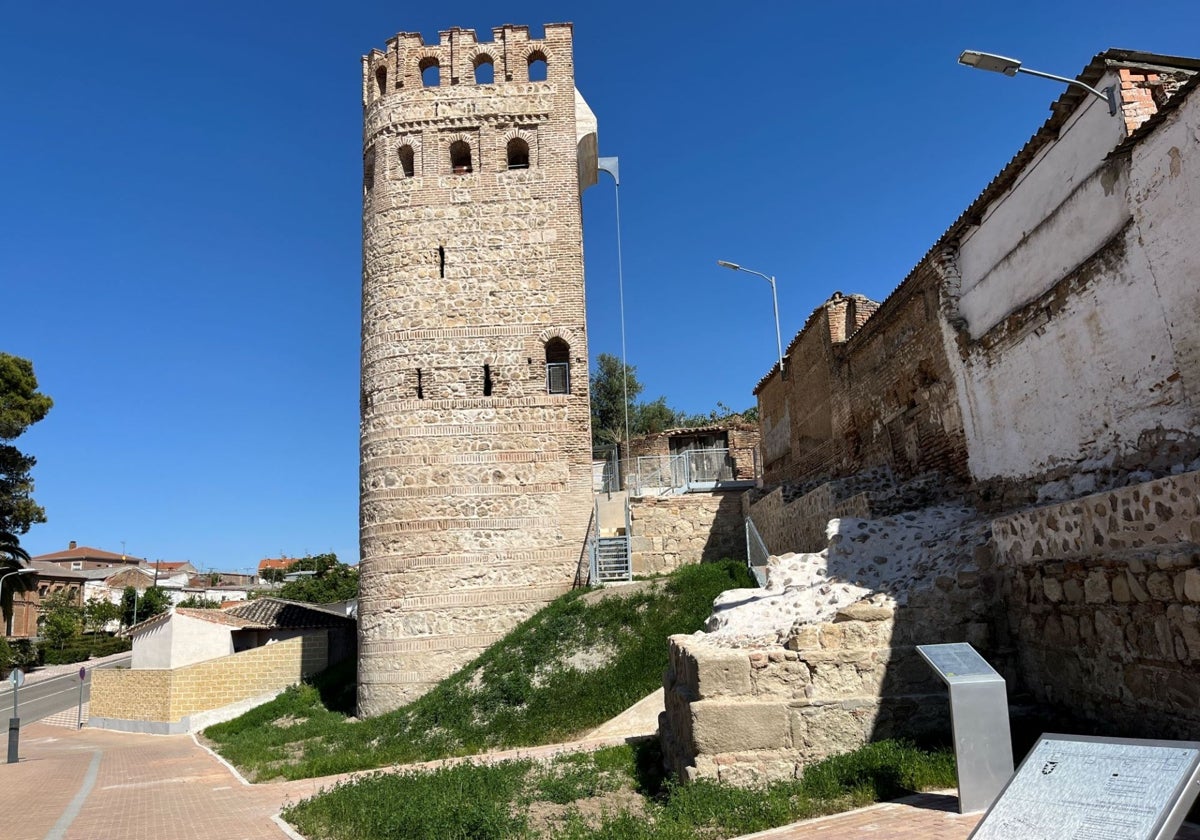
[522, 691]
[497, 802]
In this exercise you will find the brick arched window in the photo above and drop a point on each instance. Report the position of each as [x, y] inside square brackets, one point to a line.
[485, 70]
[518, 154]
[430, 72]
[381, 79]
[460, 157]
[537, 66]
[408, 160]
[558, 367]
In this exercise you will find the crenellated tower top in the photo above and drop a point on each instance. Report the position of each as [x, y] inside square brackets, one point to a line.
[461, 59]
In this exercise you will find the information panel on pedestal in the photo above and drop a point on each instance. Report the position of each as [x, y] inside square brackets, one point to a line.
[1072, 787]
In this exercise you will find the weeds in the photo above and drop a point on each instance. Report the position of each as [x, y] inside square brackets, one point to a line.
[498, 802]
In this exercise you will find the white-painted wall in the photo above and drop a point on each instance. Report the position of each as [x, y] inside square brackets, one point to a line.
[181, 640]
[1123, 358]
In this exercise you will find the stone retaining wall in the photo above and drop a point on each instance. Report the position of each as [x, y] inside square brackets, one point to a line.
[1103, 597]
[672, 531]
[169, 696]
[746, 716]
[800, 525]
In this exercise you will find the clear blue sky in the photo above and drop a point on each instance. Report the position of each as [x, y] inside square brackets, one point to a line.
[180, 206]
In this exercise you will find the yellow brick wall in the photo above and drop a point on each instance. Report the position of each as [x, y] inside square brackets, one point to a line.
[171, 695]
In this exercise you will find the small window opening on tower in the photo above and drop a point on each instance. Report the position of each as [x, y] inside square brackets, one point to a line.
[487, 380]
[441, 262]
[420, 386]
[518, 154]
[460, 157]
[558, 367]
[537, 67]
[431, 74]
[369, 169]
[485, 70]
[381, 79]
[408, 161]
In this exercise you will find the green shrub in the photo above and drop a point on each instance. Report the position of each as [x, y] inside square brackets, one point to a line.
[84, 648]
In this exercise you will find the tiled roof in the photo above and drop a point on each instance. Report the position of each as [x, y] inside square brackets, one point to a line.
[53, 570]
[212, 616]
[168, 565]
[276, 563]
[84, 552]
[276, 612]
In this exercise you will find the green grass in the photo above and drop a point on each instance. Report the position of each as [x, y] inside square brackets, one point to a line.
[527, 689]
[574, 798]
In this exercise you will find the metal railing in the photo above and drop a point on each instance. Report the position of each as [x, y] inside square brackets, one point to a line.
[757, 554]
[695, 469]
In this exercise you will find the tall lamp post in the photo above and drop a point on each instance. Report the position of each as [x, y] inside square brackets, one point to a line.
[1011, 67]
[774, 302]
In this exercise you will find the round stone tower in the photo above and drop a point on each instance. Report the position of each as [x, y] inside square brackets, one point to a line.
[476, 445]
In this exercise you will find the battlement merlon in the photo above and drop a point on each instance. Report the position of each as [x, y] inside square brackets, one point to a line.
[458, 52]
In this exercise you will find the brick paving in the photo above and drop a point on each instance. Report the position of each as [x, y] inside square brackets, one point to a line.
[148, 787]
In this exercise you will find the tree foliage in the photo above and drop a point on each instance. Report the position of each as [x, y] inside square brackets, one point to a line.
[13, 558]
[137, 606]
[330, 582]
[21, 405]
[62, 619]
[608, 398]
[98, 613]
[199, 602]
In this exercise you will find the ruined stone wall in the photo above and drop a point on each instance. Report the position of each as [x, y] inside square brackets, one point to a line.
[1103, 599]
[476, 481]
[747, 716]
[670, 531]
[894, 401]
[801, 523]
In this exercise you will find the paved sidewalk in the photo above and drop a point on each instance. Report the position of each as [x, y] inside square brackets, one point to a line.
[97, 784]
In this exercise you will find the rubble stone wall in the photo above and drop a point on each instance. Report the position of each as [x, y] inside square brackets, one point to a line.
[1103, 599]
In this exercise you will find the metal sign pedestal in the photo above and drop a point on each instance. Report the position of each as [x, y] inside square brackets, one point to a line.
[979, 714]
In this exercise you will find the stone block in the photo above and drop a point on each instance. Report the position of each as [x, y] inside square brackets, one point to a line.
[721, 672]
[721, 727]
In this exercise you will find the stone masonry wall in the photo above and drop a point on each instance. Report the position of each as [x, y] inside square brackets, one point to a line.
[748, 716]
[170, 695]
[1104, 604]
[800, 524]
[476, 482]
[670, 531]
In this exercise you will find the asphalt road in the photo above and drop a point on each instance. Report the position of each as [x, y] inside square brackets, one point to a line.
[46, 697]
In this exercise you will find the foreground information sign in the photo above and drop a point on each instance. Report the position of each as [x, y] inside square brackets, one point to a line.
[1072, 787]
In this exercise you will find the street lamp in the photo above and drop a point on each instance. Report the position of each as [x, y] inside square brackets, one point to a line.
[5, 577]
[1011, 67]
[774, 301]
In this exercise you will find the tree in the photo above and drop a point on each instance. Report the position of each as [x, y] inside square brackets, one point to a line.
[62, 619]
[21, 405]
[199, 602]
[138, 606]
[611, 392]
[330, 582]
[12, 558]
[98, 613]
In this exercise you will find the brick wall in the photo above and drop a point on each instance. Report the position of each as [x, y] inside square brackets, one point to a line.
[170, 695]
[669, 531]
